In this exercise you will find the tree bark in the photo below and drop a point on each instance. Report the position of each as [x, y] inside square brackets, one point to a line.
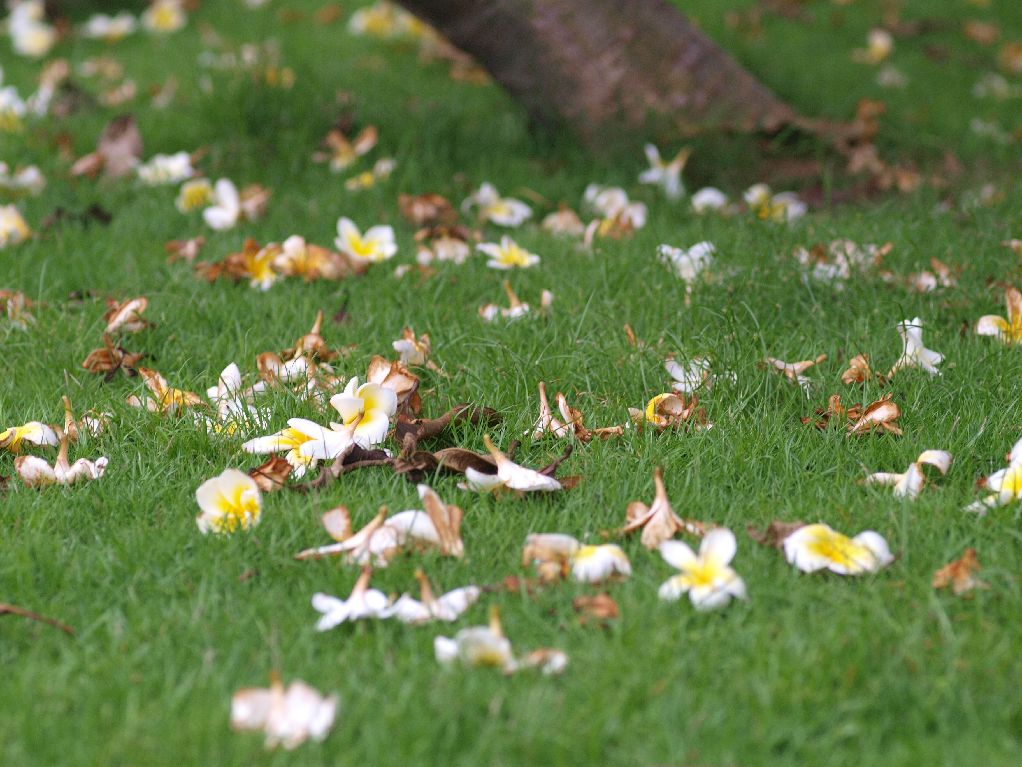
[608, 68]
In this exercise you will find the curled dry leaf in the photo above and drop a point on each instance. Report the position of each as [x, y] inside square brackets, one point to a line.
[271, 475]
[111, 358]
[570, 424]
[659, 522]
[117, 153]
[960, 574]
[419, 429]
[599, 608]
[794, 371]
[165, 399]
[184, 250]
[395, 376]
[311, 345]
[859, 371]
[881, 415]
[773, 535]
[15, 305]
[427, 210]
[126, 317]
[670, 410]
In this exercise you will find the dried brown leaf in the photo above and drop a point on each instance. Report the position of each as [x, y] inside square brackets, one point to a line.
[960, 574]
[599, 608]
[271, 475]
[773, 535]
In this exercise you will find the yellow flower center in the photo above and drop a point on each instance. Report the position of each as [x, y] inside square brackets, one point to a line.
[1012, 482]
[840, 550]
[196, 196]
[515, 256]
[358, 246]
[166, 17]
[238, 509]
[702, 573]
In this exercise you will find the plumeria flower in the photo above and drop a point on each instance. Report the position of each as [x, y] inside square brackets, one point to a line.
[555, 555]
[386, 21]
[165, 398]
[165, 169]
[164, 16]
[344, 153]
[1006, 484]
[509, 475]
[879, 47]
[24, 182]
[665, 174]
[34, 433]
[818, 547]
[367, 179]
[30, 35]
[913, 353]
[516, 308]
[706, 577]
[288, 716]
[299, 258]
[688, 378]
[613, 204]
[126, 317]
[225, 212]
[767, 206]
[565, 222]
[710, 200]
[35, 472]
[507, 255]
[368, 408]
[413, 351]
[13, 229]
[570, 424]
[194, 194]
[794, 371]
[688, 264]
[911, 482]
[376, 245]
[428, 608]
[669, 410]
[490, 206]
[228, 502]
[1008, 330]
[101, 26]
[437, 527]
[658, 521]
[305, 443]
[362, 603]
[477, 646]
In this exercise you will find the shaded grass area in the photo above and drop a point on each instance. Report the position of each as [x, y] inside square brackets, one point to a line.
[811, 670]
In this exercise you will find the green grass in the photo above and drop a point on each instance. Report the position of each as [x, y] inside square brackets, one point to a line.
[811, 670]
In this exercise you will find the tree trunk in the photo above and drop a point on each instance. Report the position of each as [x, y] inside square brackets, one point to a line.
[608, 68]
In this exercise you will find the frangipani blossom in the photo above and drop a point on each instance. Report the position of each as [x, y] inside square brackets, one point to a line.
[35, 472]
[668, 410]
[343, 153]
[233, 402]
[164, 16]
[413, 351]
[386, 21]
[289, 716]
[166, 169]
[477, 646]
[298, 258]
[688, 378]
[1006, 484]
[194, 194]
[507, 254]
[164, 399]
[368, 409]
[565, 222]
[228, 502]
[879, 46]
[687, 264]
[555, 555]
[666, 175]
[516, 308]
[13, 229]
[911, 482]
[30, 34]
[509, 475]
[1008, 330]
[502, 211]
[33, 432]
[658, 522]
[569, 425]
[428, 608]
[794, 371]
[913, 353]
[613, 204]
[126, 317]
[376, 245]
[225, 212]
[101, 26]
[706, 577]
[818, 547]
[28, 181]
[367, 179]
[362, 603]
[305, 443]
[767, 206]
[710, 199]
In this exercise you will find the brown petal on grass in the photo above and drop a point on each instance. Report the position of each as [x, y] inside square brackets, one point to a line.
[834, 411]
[670, 411]
[773, 535]
[117, 153]
[395, 376]
[430, 428]
[859, 371]
[271, 475]
[881, 415]
[793, 370]
[446, 518]
[960, 574]
[126, 316]
[659, 522]
[311, 345]
[184, 250]
[427, 210]
[8, 609]
[599, 608]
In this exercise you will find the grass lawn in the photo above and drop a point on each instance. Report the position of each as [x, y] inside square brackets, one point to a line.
[810, 670]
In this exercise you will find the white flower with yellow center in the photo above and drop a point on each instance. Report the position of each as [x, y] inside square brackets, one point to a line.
[913, 353]
[166, 169]
[502, 211]
[706, 577]
[228, 503]
[194, 194]
[1006, 484]
[666, 175]
[225, 210]
[13, 229]
[818, 547]
[507, 254]
[767, 206]
[376, 245]
[477, 646]
[595, 564]
[33, 432]
[164, 16]
[1008, 330]
[304, 444]
[879, 47]
[910, 483]
[366, 410]
[289, 716]
[101, 26]
[30, 35]
[613, 204]
[709, 200]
